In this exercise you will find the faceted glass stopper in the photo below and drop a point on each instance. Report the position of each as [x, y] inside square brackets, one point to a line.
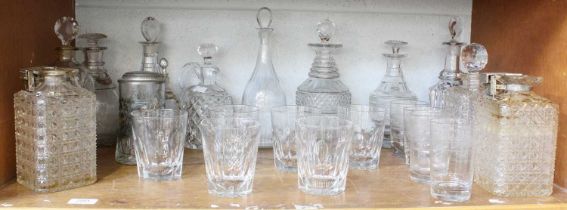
[326, 29]
[396, 45]
[66, 29]
[455, 27]
[151, 29]
[474, 58]
[207, 50]
[264, 17]
[92, 38]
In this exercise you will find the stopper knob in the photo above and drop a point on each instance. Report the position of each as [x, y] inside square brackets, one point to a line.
[455, 28]
[151, 29]
[66, 29]
[92, 38]
[326, 29]
[396, 45]
[264, 17]
[474, 58]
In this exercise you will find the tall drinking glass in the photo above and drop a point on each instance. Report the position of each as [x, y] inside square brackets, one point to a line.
[159, 135]
[417, 123]
[451, 165]
[284, 120]
[230, 147]
[397, 124]
[323, 154]
[368, 133]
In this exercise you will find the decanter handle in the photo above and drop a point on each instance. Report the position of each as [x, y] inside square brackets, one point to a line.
[195, 67]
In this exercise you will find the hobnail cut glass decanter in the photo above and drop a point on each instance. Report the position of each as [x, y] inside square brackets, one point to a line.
[105, 90]
[263, 89]
[449, 77]
[203, 96]
[462, 101]
[392, 87]
[323, 89]
[67, 29]
[55, 132]
[515, 154]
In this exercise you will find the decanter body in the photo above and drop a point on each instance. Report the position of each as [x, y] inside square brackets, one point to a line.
[323, 89]
[203, 96]
[105, 90]
[515, 155]
[55, 134]
[263, 89]
[392, 87]
[449, 77]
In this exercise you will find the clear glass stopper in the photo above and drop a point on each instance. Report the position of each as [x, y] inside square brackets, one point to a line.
[150, 29]
[326, 29]
[66, 29]
[455, 28]
[396, 45]
[207, 51]
[474, 58]
[264, 17]
[92, 38]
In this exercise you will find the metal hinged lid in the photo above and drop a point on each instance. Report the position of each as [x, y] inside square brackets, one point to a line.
[142, 76]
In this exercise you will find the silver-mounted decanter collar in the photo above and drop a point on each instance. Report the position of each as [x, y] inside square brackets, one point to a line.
[451, 69]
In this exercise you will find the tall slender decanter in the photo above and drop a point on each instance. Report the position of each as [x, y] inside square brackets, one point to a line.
[55, 132]
[105, 90]
[203, 96]
[515, 155]
[263, 89]
[392, 87]
[449, 77]
[323, 89]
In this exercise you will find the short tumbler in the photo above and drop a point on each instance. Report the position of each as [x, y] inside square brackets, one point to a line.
[322, 159]
[451, 165]
[397, 124]
[368, 133]
[417, 123]
[284, 120]
[230, 147]
[158, 143]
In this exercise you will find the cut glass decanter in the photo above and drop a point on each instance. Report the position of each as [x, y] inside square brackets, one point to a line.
[105, 90]
[323, 89]
[263, 89]
[203, 96]
[392, 87]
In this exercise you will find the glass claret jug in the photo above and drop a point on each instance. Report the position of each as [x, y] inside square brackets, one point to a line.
[263, 89]
[203, 96]
[105, 90]
[55, 133]
[393, 87]
[515, 153]
[323, 89]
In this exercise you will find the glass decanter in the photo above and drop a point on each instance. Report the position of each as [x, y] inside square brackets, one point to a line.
[203, 96]
[392, 87]
[105, 90]
[67, 29]
[461, 101]
[171, 100]
[55, 133]
[449, 77]
[515, 153]
[263, 89]
[323, 89]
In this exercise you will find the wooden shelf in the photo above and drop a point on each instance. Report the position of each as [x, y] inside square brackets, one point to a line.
[389, 187]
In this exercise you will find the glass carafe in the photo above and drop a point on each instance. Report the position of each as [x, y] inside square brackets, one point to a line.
[515, 154]
[449, 77]
[323, 89]
[55, 133]
[203, 96]
[392, 87]
[263, 89]
[105, 90]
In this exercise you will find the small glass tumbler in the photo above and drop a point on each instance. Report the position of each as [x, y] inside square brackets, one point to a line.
[230, 147]
[159, 135]
[284, 120]
[368, 133]
[417, 123]
[323, 143]
[397, 124]
[451, 165]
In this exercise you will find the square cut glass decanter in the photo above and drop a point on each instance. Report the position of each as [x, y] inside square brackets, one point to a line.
[449, 77]
[323, 89]
[202, 97]
[263, 89]
[392, 87]
[55, 133]
[515, 152]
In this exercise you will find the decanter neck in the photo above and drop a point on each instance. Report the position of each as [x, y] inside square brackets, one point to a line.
[472, 81]
[150, 57]
[324, 65]
[451, 72]
[264, 53]
[393, 67]
[209, 75]
[53, 80]
[94, 59]
[66, 55]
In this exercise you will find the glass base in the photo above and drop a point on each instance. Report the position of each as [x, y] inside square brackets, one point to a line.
[322, 185]
[420, 178]
[387, 142]
[451, 191]
[371, 164]
[230, 187]
[125, 159]
[286, 166]
[231, 194]
[157, 173]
